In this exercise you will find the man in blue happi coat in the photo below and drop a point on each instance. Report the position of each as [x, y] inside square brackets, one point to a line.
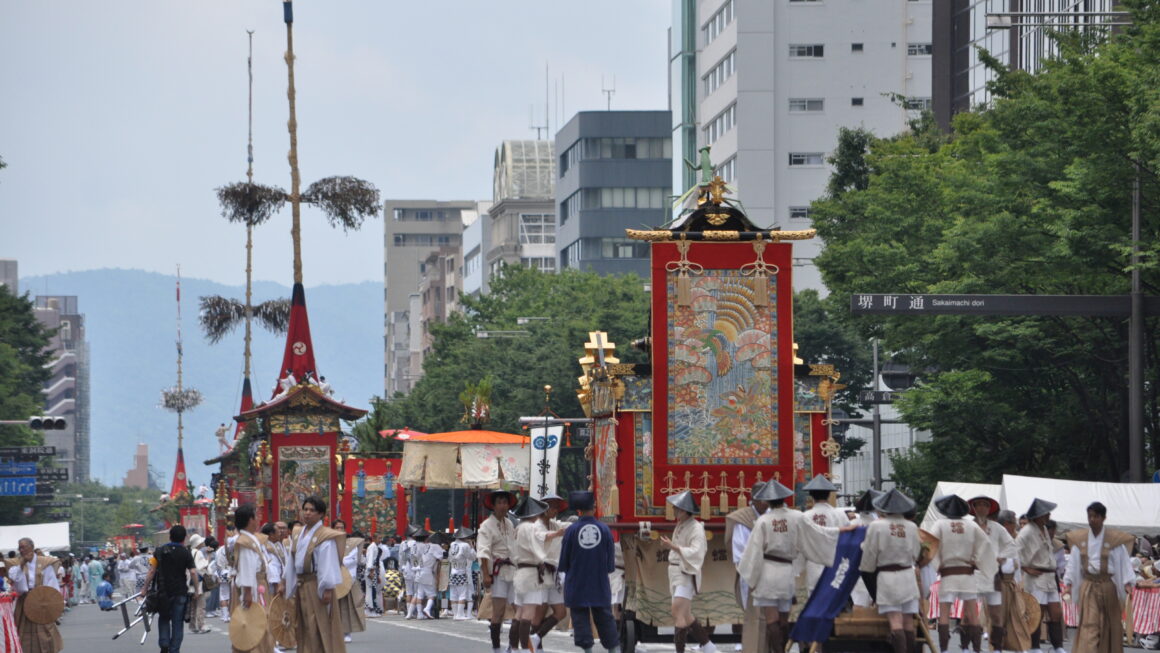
[587, 557]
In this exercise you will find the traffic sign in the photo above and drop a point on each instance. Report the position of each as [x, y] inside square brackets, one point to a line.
[52, 474]
[911, 304]
[877, 397]
[14, 468]
[8, 452]
[18, 486]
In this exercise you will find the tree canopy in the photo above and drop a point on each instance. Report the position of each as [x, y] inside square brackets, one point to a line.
[1030, 196]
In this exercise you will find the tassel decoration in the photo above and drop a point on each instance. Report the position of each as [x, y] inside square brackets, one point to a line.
[684, 267]
[669, 514]
[724, 503]
[760, 271]
[614, 499]
[741, 501]
[706, 507]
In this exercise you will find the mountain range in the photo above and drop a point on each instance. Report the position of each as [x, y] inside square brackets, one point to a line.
[131, 327]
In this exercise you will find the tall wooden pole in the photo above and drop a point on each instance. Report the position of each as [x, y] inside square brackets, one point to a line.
[1136, 471]
[249, 227]
[292, 127]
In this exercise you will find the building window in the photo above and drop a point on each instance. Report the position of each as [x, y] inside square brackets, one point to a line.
[856, 101]
[806, 159]
[718, 22]
[398, 214]
[570, 257]
[806, 105]
[721, 124]
[809, 51]
[856, 47]
[426, 240]
[471, 264]
[537, 228]
[918, 104]
[918, 49]
[799, 213]
[629, 198]
[727, 171]
[541, 263]
[721, 72]
[615, 148]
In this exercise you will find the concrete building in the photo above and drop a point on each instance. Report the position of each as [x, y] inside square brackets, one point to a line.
[138, 475]
[413, 229]
[523, 211]
[768, 83]
[66, 394]
[614, 171]
[475, 236]
[9, 275]
[440, 285]
[962, 27]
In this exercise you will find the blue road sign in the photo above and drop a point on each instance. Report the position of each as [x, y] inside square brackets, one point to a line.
[10, 468]
[19, 486]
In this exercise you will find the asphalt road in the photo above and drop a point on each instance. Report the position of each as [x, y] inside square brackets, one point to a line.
[86, 629]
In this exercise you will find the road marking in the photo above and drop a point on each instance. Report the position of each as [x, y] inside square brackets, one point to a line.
[462, 636]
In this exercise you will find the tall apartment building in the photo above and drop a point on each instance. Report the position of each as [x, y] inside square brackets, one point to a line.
[138, 475]
[9, 275]
[440, 285]
[768, 83]
[962, 27]
[413, 229]
[523, 210]
[614, 172]
[66, 394]
[476, 236]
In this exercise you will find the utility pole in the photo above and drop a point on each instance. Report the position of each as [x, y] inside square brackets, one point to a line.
[1136, 472]
[876, 437]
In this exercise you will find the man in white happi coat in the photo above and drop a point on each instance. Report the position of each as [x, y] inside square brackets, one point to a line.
[770, 565]
[889, 552]
[276, 554]
[824, 514]
[495, 541]
[407, 569]
[553, 610]
[373, 577]
[964, 549]
[865, 515]
[427, 557]
[1037, 559]
[460, 589]
[984, 509]
[532, 579]
[687, 549]
[738, 527]
[126, 577]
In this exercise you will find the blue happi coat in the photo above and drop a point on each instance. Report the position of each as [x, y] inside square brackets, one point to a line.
[587, 556]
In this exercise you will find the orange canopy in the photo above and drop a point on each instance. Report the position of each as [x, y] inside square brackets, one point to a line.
[472, 437]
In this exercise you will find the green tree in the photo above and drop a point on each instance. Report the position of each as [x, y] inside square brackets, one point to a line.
[1030, 197]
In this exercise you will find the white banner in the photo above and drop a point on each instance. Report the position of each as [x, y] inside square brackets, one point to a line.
[544, 457]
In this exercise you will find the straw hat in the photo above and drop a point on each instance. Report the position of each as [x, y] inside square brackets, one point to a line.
[247, 626]
[43, 605]
[773, 491]
[280, 621]
[953, 506]
[1039, 508]
[195, 541]
[894, 502]
[684, 501]
[489, 499]
[994, 505]
[820, 484]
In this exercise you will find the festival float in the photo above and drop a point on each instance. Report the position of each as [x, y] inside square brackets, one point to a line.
[722, 404]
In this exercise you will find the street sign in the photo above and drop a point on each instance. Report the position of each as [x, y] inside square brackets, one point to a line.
[13, 468]
[18, 486]
[877, 397]
[60, 515]
[52, 504]
[8, 452]
[904, 304]
[52, 474]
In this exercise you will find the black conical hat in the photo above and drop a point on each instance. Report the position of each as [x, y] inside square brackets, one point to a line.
[820, 484]
[464, 533]
[773, 491]
[412, 529]
[684, 501]
[1039, 508]
[865, 503]
[952, 506]
[894, 502]
[530, 507]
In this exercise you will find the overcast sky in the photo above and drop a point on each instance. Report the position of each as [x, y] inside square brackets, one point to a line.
[119, 118]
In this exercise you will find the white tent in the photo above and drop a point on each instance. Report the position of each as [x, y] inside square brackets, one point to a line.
[46, 537]
[966, 491]
[1132, 507]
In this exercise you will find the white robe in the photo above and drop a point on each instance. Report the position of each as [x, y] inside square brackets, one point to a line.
[1005, 554]
[890, 541]
[326, 563]
[689, 555]
[1035, 552]
[1119, 566]
[20, 576]
[823, 514]
[531, 549]
[963, 544]
[789, 535]
[495, 541]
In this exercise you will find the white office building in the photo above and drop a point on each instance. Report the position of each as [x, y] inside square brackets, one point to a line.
[768, 83]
